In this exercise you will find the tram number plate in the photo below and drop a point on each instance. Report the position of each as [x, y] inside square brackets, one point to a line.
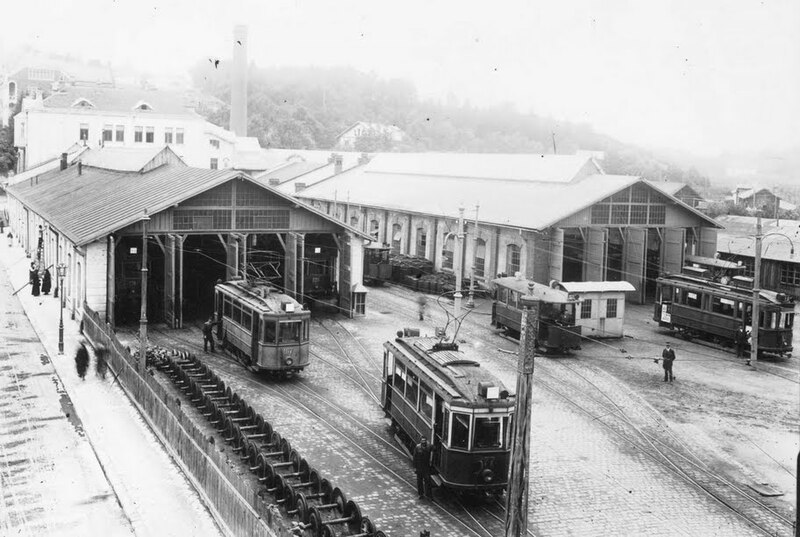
[666, 316]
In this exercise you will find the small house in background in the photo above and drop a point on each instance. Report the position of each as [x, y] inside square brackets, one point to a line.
[361, 130]
[601, 312]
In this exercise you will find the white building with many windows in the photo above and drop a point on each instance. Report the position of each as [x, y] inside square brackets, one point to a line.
[118, 117]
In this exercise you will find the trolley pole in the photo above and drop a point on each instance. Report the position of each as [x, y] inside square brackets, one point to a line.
[458, 265]
[517, 498]
[756, 295]
[143, 317]
[471, 298]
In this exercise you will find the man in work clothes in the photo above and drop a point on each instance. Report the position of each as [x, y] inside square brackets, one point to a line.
[422, 465]
[208, 334]
[668, 356]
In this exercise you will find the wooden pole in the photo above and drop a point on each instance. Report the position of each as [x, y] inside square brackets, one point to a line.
[517, 497]
[756, 295]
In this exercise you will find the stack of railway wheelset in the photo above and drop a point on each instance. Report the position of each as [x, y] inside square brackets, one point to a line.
[317, 508]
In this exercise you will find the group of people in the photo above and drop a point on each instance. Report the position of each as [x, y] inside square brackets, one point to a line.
[41, 283]
[82, 360]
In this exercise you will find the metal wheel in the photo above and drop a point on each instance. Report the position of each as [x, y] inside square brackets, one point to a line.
[339, 499]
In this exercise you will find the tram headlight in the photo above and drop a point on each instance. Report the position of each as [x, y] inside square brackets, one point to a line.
[487, 476]
[288, 361]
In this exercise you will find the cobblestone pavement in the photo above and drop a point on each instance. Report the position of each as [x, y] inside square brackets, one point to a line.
[584, 481]
[44, 451]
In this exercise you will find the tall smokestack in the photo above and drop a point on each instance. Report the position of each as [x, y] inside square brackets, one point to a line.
[239, 81]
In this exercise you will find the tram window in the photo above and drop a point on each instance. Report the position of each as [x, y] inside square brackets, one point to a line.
[677, 299]
[460, 437]
[400, 378]
[425, 400]
[723, 306]
[305, 331]
[446, 432]
[289, 332]
[748, 314]
[388, 360]
[693, 300]
[237, 314]
[508, 429]
[761, 319]
[270, 331]
[789, 320]
[773, 319]
[487, 433]
[247, 319]
[227, 308]
[412, 386]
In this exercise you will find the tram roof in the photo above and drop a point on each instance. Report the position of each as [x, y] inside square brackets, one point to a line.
[728, 291]
[542, 292]
[451, 370]
[271, 300]
[714, 262]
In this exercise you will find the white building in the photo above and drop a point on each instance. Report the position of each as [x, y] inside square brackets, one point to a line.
[122, 117]
[348, 138]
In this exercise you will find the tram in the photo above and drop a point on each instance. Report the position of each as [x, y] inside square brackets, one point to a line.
[265, 328]
[433, 389]
[699, 307]
[558, 331]
[377, 269]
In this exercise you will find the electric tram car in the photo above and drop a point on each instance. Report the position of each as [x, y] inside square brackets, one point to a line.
[262, 326]
[558, 332]
[698, 307]
[435, 390]
[377, 269]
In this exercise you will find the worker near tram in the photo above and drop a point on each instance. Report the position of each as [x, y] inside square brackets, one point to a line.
[422, 465]
[668, 356]
[208, 333]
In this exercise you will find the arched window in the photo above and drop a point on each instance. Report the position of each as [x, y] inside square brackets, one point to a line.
[397, 237]
[354, 220]
[422, 242]
[447, 252]
[374, 228]
[512, 259]
[480, 257]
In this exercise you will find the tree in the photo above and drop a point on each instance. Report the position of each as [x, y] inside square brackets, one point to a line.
[8, 154]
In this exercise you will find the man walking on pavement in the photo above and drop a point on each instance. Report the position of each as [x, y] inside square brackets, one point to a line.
[208, 334]
[668, 356]
[422, 465]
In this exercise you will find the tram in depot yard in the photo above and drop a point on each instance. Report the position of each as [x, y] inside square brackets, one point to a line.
[557, 330]
[263, 327]
[377, 269]
[433, 389]
[698, 307]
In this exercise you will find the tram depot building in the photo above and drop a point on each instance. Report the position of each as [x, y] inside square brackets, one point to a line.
[542, 216]
[202, 226]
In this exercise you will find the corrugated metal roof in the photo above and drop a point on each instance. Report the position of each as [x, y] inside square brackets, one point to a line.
[121, 100]
[123, 159]
[290, 171]
[73, 153]
[597, 287]
[98, 202]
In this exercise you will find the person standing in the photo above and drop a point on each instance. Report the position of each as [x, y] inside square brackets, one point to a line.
[422, 466]
[208, 334]
[740, 339]
[81, 360]
[421, 303]
[47, 282]
[668, 356]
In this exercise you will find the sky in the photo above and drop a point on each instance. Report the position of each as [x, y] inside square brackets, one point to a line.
[705, 77]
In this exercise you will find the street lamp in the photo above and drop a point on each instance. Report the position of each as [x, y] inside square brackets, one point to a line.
[61, 271]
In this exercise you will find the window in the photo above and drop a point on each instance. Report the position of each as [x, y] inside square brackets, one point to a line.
[237, 314]
[447, 252]
[107, 133]
[480, 257]
[487, 433]
[658, 214]
[425, 400]
[214, 143]
[611, 308]
[397, 237]
[446, 421]
[789, 320]
[586, 309]
[214, 164]
[640, 193]
[600, 213]
[84, 131]
[247, 318]
[399, 378]
[723, 306]
[460, 438]
[412, 386]
[270, 331]
[512, 259]
[422, 242]
[168, 135]
[374, 229]
[178, 136]
[790, 274]
[227, 308]
[149, 135]
[638, 214]
[619, 214]
[120, 133]
[694, 300]
[289, 331]
[138, 134]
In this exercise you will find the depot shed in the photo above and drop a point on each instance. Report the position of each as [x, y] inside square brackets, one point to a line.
[602, 308]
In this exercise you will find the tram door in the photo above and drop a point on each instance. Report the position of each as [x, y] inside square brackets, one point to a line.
[439, 429]
[257, 328]
[386, 385]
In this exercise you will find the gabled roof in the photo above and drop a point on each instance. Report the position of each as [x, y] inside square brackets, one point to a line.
[124, 159]
[289, 171]
[122, 100]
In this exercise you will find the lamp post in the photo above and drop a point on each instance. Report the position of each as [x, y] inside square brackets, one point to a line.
[143, 317]
[61, 269]
[471, 298]
[458, 265]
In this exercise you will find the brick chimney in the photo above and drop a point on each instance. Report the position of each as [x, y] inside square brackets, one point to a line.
[239, 81]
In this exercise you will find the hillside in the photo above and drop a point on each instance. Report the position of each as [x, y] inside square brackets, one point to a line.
[308, 107]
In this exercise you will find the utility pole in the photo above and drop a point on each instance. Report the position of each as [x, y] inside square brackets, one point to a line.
[143, 317]
[471, 298]
[756, 295]
[517, 497]
[458, 265]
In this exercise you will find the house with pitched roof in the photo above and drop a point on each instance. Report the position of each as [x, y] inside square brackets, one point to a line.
[98, 116]
[543, 216]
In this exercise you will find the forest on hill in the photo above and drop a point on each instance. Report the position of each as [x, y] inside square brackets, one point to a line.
[308, 107]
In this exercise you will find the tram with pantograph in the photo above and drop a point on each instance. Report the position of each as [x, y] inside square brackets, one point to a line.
[265, 328]
[377, 269]
[557, 330]
[698, 307]
[432, 388]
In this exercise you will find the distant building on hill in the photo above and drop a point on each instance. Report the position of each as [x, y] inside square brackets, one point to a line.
[757, 198]
[359, 131]
[684, 192]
